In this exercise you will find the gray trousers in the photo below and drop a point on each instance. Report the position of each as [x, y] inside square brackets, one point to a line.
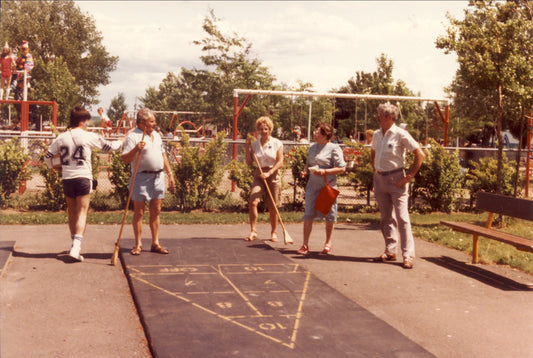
[394, 209]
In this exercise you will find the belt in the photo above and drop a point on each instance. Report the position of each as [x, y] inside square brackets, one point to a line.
[390, 172]
[152, 171]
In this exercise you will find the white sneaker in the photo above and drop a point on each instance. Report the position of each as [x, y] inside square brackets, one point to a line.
[75, 250]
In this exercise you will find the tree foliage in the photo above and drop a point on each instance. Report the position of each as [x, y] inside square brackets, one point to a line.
[439, 181]
[229, 64]
[482, 177]
[494, 45]
[198, 172]
[297, 159]
[12, 166]
[362, 112]
[359, 169]
[70, 59]
[117, 107]
[120, 177]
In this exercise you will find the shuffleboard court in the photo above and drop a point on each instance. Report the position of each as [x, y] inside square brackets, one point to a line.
[223, 297]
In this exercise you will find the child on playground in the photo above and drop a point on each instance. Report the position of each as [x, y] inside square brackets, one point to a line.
[24, 62]
[7, 65]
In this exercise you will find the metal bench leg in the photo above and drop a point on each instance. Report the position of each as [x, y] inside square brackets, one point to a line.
[475, 249]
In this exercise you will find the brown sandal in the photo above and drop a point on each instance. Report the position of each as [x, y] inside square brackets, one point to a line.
[136, 250]
[159, 249]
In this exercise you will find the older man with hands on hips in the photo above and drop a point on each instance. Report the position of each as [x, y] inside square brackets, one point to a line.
[391, 183]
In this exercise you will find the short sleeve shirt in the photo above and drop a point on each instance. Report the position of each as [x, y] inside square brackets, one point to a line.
[152, 155]
[266, 156]
[75, 147]
[390, 148]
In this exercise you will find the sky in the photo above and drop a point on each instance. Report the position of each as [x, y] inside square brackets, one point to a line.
[321, 42]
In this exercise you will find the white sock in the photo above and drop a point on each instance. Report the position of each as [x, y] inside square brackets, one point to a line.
[76, 240]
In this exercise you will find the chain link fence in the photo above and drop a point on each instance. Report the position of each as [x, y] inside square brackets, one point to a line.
[349, 198]
[36, 144]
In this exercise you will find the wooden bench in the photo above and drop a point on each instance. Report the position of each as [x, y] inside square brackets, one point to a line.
[497, 204]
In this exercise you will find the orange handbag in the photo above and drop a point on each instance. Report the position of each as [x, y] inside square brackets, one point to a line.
[326, 198]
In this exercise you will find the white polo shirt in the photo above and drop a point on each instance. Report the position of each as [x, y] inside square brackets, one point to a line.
[266, 155]
[390, 148]
[152, 154]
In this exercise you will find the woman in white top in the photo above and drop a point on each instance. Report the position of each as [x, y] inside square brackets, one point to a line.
[74, 147]
[269, 153]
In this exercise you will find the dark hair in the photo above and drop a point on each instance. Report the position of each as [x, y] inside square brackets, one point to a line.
[325, 129]
[77, 115]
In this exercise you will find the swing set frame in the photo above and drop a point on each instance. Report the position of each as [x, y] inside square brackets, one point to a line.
[237, 110]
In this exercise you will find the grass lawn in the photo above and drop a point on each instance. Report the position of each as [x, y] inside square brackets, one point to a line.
[425, 226]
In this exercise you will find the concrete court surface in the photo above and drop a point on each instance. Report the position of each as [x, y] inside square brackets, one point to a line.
[51, 307]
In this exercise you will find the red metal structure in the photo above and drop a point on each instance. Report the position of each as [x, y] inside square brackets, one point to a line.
[25, 110]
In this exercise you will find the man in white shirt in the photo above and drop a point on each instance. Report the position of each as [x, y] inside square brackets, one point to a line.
[75, 146]
[391, 183]
[149, 186]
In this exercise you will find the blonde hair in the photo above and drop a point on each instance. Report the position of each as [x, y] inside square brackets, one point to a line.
[266, 121]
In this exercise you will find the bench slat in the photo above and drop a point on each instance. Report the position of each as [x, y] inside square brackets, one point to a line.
[505, 205]
[517, 241]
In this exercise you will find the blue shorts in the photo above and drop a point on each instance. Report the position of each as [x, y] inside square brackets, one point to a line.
[148, 186]
[77, 187]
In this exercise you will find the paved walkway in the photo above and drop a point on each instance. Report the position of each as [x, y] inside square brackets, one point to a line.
[51, 307]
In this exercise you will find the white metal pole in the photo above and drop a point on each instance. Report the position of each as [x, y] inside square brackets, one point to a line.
[25, 95]
[309, 120]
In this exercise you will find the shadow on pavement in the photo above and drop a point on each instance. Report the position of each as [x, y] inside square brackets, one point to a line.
[62, 256]
[479, 274]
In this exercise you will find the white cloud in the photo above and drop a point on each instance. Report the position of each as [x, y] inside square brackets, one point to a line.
[322, 42]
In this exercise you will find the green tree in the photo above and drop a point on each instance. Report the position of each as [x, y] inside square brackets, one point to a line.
[359, 115]
[62, 40]
[229, 65]
[117, 107]
[57, 84]
[494, 44]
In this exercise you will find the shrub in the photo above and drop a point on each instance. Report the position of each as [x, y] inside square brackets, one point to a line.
[120, 177]
[198, 174]
[13, 158]
[482, 176]
[242, 175]
[361, 174]
[52, 198]
[297, 159]
[439, 180]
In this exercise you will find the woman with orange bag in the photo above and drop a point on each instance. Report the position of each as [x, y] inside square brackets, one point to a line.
[324, 159]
